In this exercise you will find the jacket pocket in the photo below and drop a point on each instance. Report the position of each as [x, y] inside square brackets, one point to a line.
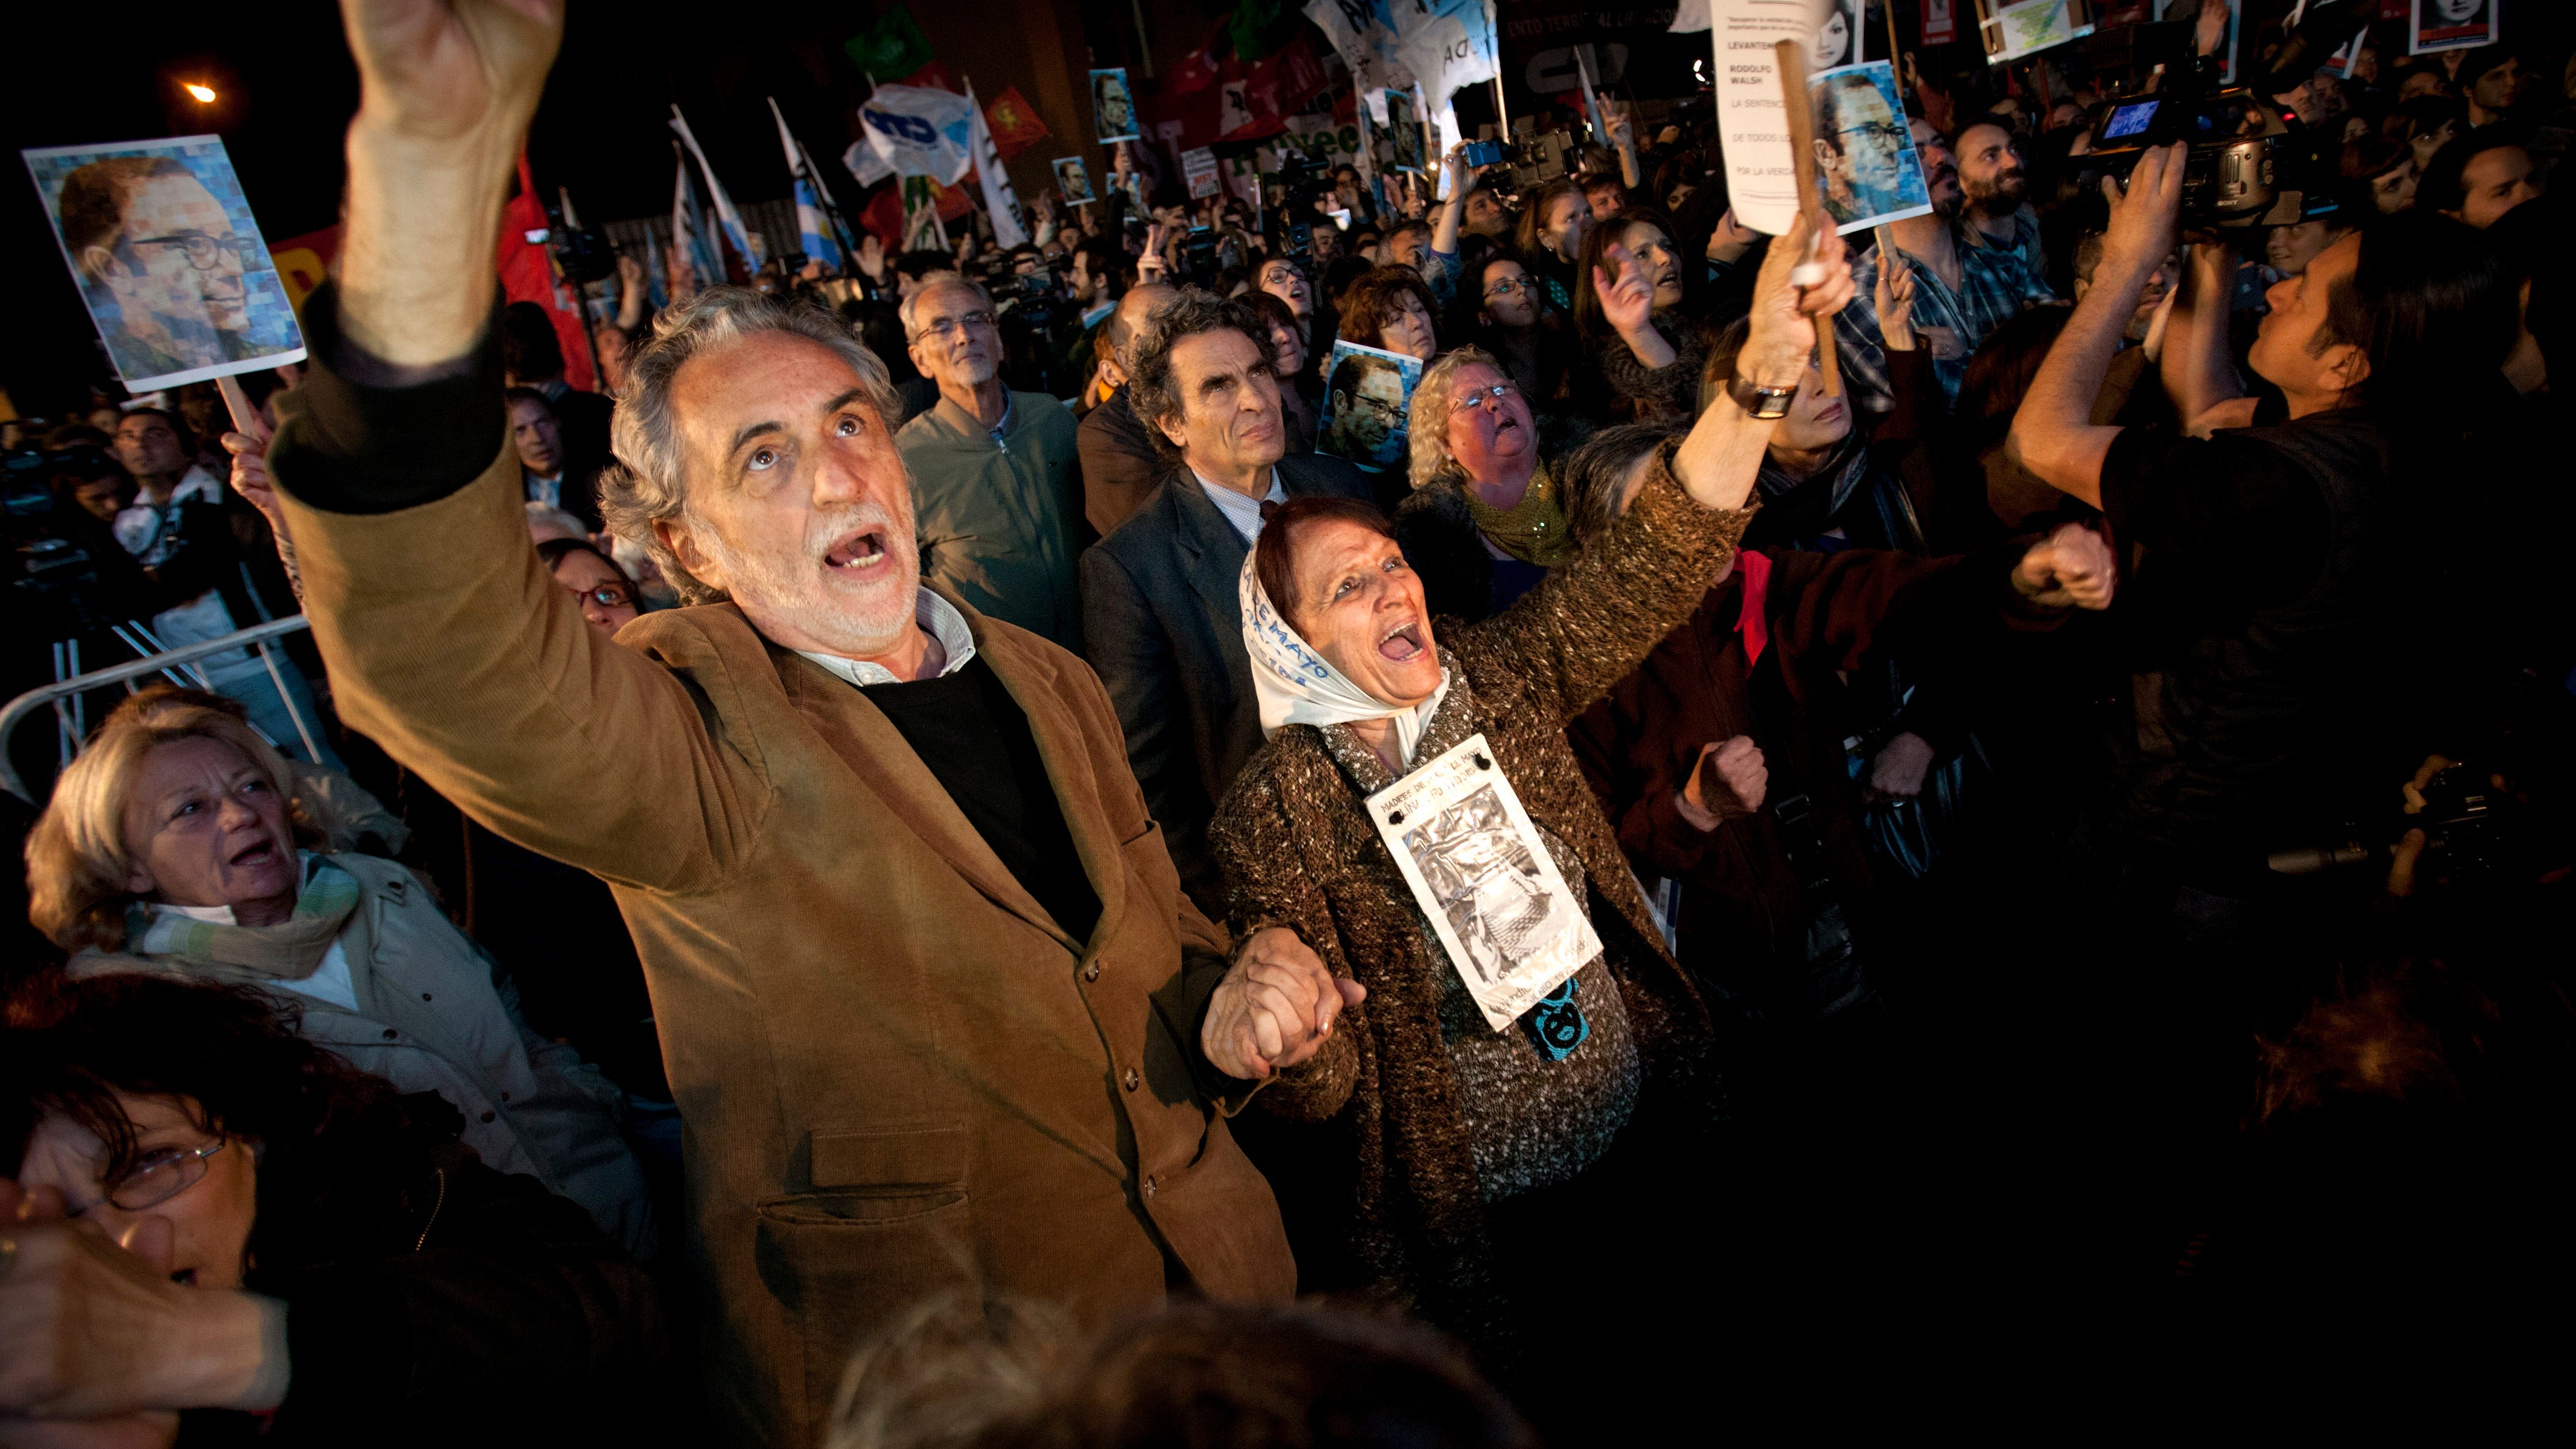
[840, 1264]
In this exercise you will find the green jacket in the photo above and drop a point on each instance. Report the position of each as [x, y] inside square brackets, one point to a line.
[999, 523]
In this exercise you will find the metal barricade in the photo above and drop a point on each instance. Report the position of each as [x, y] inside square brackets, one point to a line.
[257, 637]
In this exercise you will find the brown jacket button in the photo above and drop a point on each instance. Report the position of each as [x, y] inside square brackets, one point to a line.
[1091, 972]
[1149, 1187]
[1131, 1079]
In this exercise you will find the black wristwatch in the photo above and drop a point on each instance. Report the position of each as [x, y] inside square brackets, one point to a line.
[1765, 403]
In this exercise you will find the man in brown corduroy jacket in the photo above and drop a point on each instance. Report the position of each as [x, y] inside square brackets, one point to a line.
[935, 1012]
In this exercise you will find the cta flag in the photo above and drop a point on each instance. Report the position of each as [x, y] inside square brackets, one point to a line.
[1000, 202]
[815, 234]
[920, 132]
[728, 220]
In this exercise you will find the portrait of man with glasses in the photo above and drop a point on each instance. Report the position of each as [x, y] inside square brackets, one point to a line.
[1865, 157]
[171, 267]
[1369, 392]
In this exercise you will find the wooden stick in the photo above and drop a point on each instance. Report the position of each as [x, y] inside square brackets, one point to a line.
[1895, 55]
[1791, 60]
[237, 403]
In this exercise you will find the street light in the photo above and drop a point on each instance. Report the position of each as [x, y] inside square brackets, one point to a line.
[202, 94]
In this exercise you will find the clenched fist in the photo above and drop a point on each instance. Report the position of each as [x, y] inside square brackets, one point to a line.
[1730, 779]
[2071, 567]
[1275, 1007]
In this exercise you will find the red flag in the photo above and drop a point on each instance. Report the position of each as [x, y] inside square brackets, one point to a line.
[1301, 72]
[1014, 123]
[528, 275]
[934, 76]
[304, 261]
[1198, 69]
[884, 215]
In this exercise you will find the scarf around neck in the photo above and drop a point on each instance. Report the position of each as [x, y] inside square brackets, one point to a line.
[1297, 685]
[288, 951]
[1532, 530]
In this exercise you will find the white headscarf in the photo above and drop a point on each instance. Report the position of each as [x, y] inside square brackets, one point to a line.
[1296, 685]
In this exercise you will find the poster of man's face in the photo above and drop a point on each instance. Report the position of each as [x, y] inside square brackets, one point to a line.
[1404, 130]
[1072, 180]
[1368, 392]
[1866, 167]
[1113, 107]
[167, 259]
[2451, 25]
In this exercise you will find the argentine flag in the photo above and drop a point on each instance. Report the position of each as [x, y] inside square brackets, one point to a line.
[815, 235]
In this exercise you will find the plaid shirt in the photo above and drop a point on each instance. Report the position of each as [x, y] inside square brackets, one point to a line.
[1995, 284]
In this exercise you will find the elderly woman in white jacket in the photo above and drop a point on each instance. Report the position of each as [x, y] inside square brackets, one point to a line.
[179, 844]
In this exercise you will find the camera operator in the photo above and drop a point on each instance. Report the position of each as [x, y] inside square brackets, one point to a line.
[2278, 557]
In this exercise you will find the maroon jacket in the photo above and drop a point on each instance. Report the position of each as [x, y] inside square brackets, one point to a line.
[1742, 916]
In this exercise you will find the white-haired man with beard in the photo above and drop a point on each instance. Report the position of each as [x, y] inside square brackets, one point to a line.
[936, 1014]
[996, 476]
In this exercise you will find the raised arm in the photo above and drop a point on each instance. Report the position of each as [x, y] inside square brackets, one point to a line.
[2053, 435]
[2197, 374]
[447, 641]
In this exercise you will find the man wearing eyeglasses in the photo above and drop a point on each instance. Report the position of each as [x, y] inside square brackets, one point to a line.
[145, 231]
[996, 474]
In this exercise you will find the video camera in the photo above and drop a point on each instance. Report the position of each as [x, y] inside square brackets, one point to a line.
[1303, 177]
[2475, 833]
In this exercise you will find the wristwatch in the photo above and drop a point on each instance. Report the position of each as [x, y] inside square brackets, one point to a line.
[1761, 402]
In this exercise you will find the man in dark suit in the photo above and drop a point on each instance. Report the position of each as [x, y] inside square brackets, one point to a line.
[1121, 465]
[1159, 595]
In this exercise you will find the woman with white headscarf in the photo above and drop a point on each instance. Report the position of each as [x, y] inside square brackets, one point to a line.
[1462, 1142]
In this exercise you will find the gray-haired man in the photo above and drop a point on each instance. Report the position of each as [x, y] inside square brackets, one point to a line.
[936, 1014]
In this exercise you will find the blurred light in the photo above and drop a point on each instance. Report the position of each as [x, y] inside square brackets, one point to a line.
[204, 95]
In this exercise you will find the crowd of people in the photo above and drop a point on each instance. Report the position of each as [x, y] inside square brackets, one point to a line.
[1019, 857]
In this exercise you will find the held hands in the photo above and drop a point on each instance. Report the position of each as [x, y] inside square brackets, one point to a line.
[1275, 1008]
[2072, 567]
[1730, 779]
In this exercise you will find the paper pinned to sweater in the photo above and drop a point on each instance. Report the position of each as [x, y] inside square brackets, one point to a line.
[1511, 926]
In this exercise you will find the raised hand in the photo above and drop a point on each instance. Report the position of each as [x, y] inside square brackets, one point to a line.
[2071, 568]
[249, 448]
[452, 70]
[2144, 216]
[1893, 295]
[1627, 296]
[1783, 320]
[1275, 1008]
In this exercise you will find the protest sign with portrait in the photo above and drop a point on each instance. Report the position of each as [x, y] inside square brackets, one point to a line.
[1867, 172]
[1368, 394]
[1511, 926]
[1073, 181]
[168, 260]
[1113, 108]
[2450, 25]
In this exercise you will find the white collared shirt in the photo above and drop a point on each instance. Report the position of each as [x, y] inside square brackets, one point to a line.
[931, 612]
[1241, 510]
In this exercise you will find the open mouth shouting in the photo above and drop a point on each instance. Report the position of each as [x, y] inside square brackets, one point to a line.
[1401, 644]
[861, 554]
[260, 852]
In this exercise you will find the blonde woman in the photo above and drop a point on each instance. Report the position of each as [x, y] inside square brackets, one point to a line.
[179, 845]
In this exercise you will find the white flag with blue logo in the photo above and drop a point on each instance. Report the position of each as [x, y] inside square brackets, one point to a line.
[690, 240]
[814, 233]
[735, 233]
[921, 131]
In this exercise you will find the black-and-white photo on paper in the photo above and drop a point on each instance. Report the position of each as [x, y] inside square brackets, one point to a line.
[1511, 926]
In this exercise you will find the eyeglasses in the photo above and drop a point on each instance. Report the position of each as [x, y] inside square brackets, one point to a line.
[1377, 405]
[1476, 395]
[203, 249]
[606, 596]
[160, 1177]
[1508, 286]
[1879, 131]
[945, 327]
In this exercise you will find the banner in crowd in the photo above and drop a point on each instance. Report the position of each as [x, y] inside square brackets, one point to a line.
[1014, 123]
[1368, 394]
[1113, 107]
[168, 259]
[1001, 204]
[1200, 167]
[815, 234]
[1448, 50]
[1753, 130]
[2450, 25]
[304, 262]
[1867, 172]
[1364, 34]
[693, 244]
[920, 131]
[528, 274]
[728, 220]
[1940, 21]
[1625, 52]
[891, 50]
[2027, 27]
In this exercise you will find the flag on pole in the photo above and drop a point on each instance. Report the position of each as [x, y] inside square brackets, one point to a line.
[1000, 202]
[922, 230]
[728, 220]
[1591, 98]
[815, 234]
[691, 242]
[919, 131]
